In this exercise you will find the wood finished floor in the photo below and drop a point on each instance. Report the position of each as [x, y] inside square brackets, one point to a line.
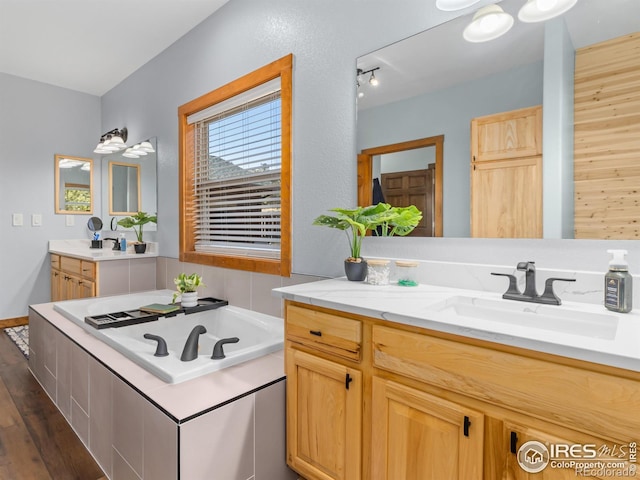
[36, 442]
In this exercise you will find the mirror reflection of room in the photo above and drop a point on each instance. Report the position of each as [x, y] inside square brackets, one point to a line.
[124, 188]
[424, 90]
[73, 185]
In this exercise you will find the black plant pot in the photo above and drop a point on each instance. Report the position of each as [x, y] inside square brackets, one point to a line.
[356, 271]
[140, 247]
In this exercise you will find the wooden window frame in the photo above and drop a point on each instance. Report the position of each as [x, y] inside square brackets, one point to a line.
[282, 68]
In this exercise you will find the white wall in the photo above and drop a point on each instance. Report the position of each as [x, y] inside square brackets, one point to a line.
[36, 122]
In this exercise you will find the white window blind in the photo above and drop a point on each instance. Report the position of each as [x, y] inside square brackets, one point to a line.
[237, 179]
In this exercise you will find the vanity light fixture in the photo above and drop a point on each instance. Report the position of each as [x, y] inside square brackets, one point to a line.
[488, 23]
[541, 10]
[139, 150]
[452, 5]
[112, 141]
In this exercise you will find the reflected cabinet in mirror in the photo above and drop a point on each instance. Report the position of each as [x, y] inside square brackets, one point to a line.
[73, 185]
[129, 185]
[124, 188]
[540, 127]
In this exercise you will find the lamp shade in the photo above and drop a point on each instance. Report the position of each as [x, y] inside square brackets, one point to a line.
[488, 23]
[129, 153]
[451, 5]
[541, 10]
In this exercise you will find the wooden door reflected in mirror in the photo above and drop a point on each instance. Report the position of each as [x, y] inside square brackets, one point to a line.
[73, 185]
[408, 181]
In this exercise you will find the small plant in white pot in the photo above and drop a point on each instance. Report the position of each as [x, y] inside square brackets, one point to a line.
[187, 286]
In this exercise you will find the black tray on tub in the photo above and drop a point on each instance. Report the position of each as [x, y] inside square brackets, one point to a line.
[206, 303]
[120, 319]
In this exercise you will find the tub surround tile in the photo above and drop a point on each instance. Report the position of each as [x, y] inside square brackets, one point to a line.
[121, 469]
[80, 377]
[213, 278]
[100, 420]
[114, 278]
[161, 273]
[261, 300]
[237, 288]
[181, 400]
[80, 422]
[223, 440]
[128, 424]
[142, 274]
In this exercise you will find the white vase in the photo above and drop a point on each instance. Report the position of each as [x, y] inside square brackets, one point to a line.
[189, 299]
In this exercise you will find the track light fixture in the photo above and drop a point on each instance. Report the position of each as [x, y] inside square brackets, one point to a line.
[112, 141]
[360, 79]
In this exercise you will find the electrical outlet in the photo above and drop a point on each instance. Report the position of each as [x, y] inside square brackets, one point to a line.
[17, 220]
[70, 221]
[36, 219]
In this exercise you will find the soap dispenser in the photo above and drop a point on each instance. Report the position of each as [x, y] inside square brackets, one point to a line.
[123, 242]
[618, 289]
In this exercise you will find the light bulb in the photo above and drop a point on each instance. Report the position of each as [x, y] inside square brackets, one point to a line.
[373, 80]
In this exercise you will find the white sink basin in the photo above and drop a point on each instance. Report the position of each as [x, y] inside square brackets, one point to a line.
[533, 315]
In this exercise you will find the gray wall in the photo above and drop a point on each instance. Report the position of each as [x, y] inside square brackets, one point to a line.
[325, 37]
[36, 122]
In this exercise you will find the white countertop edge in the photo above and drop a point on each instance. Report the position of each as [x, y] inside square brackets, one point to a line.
[205, 392]
[623, 352]
[81, 249]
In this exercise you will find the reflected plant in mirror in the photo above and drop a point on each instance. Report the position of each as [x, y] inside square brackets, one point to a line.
[73, 184]
[435, 84]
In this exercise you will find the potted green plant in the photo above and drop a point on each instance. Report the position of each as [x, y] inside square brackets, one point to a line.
[187, 286]
[355, 223]
[138, 220]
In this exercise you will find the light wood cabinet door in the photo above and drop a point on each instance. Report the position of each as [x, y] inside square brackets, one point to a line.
[513, 134]
[56, 285]
[418, 436]
[324, 420]
[506, 174]
[530, 446]
[506, 198]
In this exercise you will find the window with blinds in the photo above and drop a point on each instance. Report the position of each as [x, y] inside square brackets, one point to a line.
[235, 173]
[237, 179]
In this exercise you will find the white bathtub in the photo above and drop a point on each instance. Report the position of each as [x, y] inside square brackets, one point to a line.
[259, 334]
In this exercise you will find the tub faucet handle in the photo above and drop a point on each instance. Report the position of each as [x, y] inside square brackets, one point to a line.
[218, 352]
[161, 348]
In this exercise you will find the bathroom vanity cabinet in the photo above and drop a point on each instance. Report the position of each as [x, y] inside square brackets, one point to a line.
[373, 399]
[74, 278]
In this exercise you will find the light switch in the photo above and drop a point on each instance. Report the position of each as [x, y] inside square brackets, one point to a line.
[17, 220]
[70, 221]
[36, 219]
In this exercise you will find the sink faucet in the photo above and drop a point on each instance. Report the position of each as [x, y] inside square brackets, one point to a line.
[530, 293]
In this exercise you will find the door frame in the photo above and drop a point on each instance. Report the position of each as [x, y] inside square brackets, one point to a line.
[365, 171]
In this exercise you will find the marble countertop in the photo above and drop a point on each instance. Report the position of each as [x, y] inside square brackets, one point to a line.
[426, 306]
[82, 249]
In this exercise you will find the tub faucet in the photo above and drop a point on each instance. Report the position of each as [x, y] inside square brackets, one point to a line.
[190, 351]
[530, 293]
[218, 351]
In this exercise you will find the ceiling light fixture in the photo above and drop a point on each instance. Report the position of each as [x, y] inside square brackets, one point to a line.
[541, 10]
[488, 23]
[112, 141]
[452, 5]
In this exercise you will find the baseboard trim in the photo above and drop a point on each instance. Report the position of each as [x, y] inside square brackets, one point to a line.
[14, 322]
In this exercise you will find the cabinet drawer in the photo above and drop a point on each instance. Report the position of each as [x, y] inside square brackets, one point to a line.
[573, 396]
[71, 265]
[55, 261]
[323, 331]
[88, 270]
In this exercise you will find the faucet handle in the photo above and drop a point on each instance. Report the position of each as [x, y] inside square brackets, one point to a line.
[513, 284]
[549, 297]
[529, 266]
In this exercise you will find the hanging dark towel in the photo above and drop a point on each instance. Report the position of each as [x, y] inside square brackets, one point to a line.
[378, 197]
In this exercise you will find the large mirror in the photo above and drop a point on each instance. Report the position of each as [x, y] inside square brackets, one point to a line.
[73, 185]
[435, 83]
[129, 185]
